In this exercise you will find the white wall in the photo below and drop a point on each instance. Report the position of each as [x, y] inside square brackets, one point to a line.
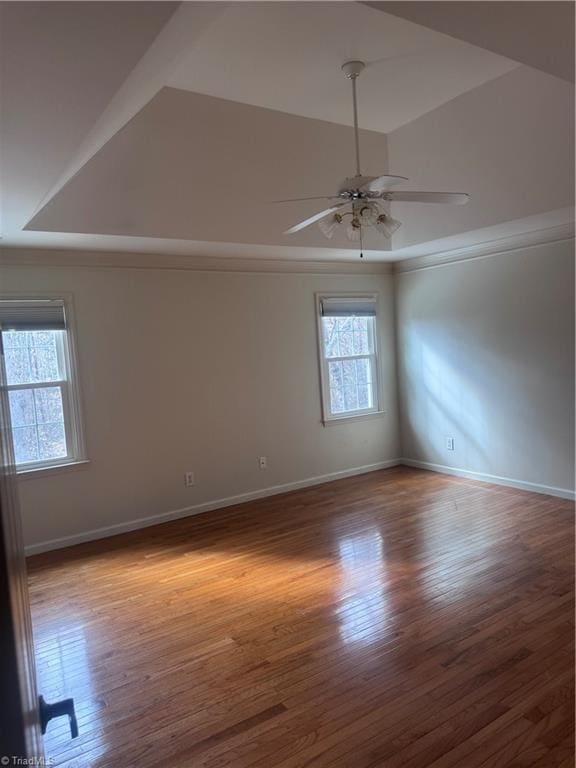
[486, 355]
[203, 371]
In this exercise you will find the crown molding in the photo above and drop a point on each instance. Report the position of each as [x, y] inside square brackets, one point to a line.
[13, 256]
[43, 257]
[488, 248]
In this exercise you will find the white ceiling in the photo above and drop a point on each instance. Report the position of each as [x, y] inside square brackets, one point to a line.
[287, 56]
[99, 153]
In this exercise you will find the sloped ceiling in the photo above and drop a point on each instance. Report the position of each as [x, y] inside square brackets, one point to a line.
[60, 63]
[508, 142]
[539, 34]
[195, 167]
[177, 124]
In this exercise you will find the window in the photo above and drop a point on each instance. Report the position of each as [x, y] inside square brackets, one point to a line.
[348, 346]
[42, 393]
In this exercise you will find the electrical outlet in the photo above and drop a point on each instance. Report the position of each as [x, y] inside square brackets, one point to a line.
[450, 443]
[263, 462]
[189, 480]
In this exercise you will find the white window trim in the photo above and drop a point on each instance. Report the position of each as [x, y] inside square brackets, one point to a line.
[71, 390]
[328, 418]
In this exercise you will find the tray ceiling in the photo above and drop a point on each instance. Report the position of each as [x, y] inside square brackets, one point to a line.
[133, 122]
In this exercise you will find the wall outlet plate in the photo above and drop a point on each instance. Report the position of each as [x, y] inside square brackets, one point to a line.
[450, 443]
[263, 462]
[189, 480]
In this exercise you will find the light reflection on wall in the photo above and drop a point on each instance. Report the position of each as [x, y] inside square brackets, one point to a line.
[444, 398]
[363, 609]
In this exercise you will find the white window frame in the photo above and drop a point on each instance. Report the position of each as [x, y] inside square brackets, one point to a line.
[334, 418]
[69, 386]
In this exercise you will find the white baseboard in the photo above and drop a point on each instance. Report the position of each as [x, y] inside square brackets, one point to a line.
[563, 493]
[197, 509]
[164, 517]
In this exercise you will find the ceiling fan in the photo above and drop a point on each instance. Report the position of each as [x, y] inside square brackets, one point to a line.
[364, 198]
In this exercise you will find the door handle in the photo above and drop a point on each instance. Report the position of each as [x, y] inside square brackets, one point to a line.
[58, 709]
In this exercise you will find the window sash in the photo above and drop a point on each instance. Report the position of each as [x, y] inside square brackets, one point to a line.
[371, 341]
[68, 431]
[373, 387]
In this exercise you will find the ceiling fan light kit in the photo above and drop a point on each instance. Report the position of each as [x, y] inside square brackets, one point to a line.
[362, 196]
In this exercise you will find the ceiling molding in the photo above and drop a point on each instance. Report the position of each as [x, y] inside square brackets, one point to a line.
[488, 248]
[40, 257]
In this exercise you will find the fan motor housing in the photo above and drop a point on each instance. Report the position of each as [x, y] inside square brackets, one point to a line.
[353, 184]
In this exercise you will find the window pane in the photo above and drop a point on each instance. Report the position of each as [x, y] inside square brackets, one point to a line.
[331, 344]
[49, 405]
[350, 394]
[350, 398]
[42, 338]
[364, 397]
[25, 444]
[17, 365]
[22, 407]
[361, 346]
[336, 387]
[345, 323]
[363, 371]
[15, 338]
[51, 441]
[346, 343]
[346, 336]
[44, 363]
[337, 401]
[335, 375]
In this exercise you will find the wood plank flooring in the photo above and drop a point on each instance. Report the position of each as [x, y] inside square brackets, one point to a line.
[400, 619]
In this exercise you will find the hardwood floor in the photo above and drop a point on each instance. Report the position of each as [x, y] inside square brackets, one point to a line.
[399, 619]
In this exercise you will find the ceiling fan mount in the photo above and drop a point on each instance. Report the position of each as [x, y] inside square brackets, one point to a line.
[352, 69]
[366, 194]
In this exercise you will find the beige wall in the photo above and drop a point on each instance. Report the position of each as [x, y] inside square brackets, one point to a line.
[205, 371]
[486, 355]
[201, 371]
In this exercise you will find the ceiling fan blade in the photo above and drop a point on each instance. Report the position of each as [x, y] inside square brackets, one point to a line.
[381, 183]
[297, 199]
[450, 198]
[312, 219]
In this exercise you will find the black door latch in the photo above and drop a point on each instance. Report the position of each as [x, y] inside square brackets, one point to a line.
[58, 709]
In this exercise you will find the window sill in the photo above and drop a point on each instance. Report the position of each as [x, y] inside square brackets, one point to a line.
[55, 469]
[355, 417]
